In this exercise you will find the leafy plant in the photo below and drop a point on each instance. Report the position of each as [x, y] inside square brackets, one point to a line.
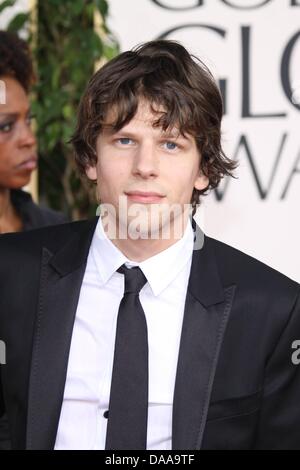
[65, 47]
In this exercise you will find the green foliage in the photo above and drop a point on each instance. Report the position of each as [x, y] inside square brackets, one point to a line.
[18, 22]
[6, 3]
[65, 50]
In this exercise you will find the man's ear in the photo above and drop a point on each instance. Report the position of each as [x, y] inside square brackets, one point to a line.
[201, 181]
[91, 172]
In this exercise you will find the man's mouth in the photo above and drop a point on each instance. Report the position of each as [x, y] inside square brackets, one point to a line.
[145, 197]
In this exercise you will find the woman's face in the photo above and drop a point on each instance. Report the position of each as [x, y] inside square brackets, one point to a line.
[18, 155]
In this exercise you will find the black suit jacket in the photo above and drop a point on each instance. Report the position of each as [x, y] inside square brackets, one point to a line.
[236, 385]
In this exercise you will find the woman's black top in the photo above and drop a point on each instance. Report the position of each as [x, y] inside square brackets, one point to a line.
[32, 215]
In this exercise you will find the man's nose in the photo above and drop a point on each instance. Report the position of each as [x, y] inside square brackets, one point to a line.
[146, 162]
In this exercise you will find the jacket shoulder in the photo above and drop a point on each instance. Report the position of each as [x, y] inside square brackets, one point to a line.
[237, 267]
[31, 241]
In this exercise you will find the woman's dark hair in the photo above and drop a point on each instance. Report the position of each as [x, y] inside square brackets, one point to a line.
[15, 59]
[168, 77]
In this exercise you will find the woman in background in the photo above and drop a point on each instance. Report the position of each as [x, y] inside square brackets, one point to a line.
[18, 152]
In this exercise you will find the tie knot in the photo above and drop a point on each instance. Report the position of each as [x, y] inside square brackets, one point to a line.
[134, 279]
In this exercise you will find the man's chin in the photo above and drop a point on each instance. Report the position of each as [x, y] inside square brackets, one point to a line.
[144, 221]
[149, 228]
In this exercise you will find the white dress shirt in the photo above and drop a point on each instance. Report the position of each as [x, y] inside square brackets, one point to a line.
[86, 395]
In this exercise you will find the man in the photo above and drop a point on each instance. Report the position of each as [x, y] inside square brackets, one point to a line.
[127, 331]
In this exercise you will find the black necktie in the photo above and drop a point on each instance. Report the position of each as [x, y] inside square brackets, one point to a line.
[128, 403]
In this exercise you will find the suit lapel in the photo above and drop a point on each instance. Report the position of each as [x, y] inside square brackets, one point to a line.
[207, 309]
[61, 279]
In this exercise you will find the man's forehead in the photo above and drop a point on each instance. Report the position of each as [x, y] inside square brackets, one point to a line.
[147, 114]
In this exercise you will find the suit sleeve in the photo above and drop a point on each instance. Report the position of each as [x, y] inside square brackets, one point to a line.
[4, 428]
[5, 442]
[279, 423]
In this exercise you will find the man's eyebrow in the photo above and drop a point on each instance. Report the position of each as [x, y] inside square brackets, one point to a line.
[175, 135]
[111, 131]
[171, 134]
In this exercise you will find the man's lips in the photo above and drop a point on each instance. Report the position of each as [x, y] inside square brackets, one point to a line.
[28, 164]
[142, 196]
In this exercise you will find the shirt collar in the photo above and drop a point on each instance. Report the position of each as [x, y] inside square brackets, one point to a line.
[160, 269]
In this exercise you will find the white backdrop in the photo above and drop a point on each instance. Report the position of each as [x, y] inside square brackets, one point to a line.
[9, 13]
[255, 52]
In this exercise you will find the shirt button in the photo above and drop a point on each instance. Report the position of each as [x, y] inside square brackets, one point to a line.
[105, 414]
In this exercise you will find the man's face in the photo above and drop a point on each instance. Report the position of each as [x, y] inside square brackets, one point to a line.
[143, 158]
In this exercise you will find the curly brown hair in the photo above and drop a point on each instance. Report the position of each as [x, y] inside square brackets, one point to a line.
[15, 59]
[167, 76]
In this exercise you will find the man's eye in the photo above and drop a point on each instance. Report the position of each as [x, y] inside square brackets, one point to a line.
[6, 127]
[171, 145]
[125, 141]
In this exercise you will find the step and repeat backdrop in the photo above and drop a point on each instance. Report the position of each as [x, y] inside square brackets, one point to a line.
[19, 7]
[253, 49]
